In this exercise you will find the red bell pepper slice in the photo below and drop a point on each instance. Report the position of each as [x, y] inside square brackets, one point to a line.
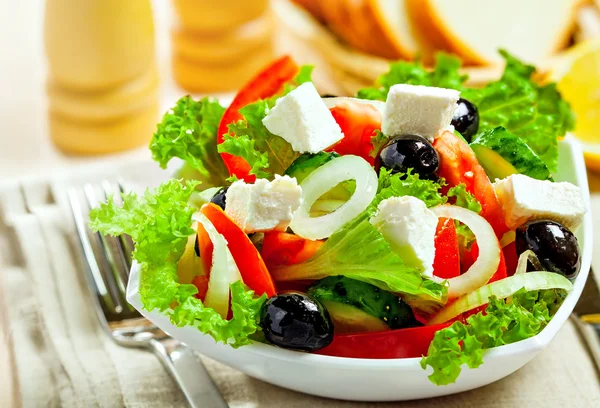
[201, 283]
[512, 259]
[402, 343]
[446, 263]
[281, 248]
[266, 84]
[458, 164]
[358, 122]
[252, 268]
[469, 257]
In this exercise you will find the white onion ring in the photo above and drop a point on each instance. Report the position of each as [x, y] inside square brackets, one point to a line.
[489, 250]
[223, 271]
[324, 179]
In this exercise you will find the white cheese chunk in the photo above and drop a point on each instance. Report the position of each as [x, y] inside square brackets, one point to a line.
[264, 205]
[303, 120]
[526, 199]
[409, 227]
[418, 110]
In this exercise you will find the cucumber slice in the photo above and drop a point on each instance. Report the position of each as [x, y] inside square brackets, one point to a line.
[362, 299]
[307, 163]
[348, 319]
[502, 153]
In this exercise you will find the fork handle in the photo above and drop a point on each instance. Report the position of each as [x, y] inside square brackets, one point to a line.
[189, 372]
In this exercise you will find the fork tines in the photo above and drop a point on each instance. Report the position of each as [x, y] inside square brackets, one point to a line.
[108, 259]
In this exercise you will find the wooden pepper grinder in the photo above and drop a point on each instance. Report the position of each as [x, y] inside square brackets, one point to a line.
[218, 45]
[102, 78]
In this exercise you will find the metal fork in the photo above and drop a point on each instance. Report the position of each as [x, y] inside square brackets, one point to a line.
[108, 261]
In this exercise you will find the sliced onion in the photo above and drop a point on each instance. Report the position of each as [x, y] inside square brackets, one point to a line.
[323, 179]
[502, 289]
[530, 256]
[489, 250]
[223, 271]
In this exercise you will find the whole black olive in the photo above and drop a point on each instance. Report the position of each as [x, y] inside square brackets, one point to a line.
[219, 198]
[296, 321]
[409, 152]
[466, 119]
[555, 246]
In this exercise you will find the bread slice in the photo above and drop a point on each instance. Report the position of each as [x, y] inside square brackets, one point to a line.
[313, 7]
[392, 34]
[475, 29]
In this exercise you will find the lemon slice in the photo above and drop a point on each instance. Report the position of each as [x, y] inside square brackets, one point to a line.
[577, 74]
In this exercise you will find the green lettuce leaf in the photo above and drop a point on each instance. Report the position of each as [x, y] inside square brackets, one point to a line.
[445, 75]
[360, 252]
[266, 153]
[403, 184]
[466, 200]
[535, 113]
[189, 131]
[159, 222]
[504, 322]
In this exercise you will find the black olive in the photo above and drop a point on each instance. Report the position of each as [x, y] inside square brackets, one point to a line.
[409, 152]
[296, 321]
[555, 246]
[466, 119]
[219, 198]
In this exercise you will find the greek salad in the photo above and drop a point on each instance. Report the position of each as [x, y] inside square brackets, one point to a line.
[417, 219]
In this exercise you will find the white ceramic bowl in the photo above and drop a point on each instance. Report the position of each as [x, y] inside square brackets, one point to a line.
[393, 379]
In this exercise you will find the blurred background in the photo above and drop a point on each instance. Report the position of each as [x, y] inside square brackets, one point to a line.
[81, 79]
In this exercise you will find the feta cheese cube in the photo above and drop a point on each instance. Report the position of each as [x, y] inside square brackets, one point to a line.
[303, 120]
[409, 227]
[418, 110]
[526, 199]
[264, 205]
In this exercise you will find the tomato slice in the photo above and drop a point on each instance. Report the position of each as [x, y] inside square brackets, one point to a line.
[281, 248]
[266, 84]
[458, 164]
[252, 268]
[446, 263]
[358, 121]
[402, 343]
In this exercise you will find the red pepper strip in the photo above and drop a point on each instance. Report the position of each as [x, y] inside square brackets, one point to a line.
[281, 248]
[458, 164]
[446, 263]
[266, 84]
[358, 122]
[201, 283]
[402, 343]
[471, 256]
[252, 268]
[511, 257]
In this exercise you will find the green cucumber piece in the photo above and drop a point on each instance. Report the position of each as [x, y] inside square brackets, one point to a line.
[502, 153]
[365, 299]
[348, 319]
[306, 164]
